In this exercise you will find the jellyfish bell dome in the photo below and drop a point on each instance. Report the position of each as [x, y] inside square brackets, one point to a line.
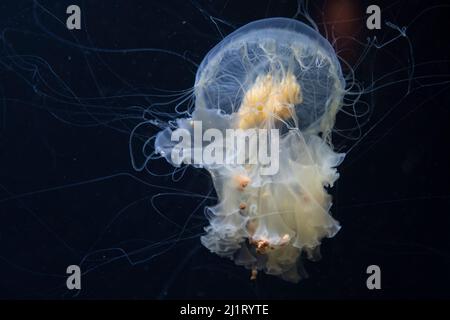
[274, 49]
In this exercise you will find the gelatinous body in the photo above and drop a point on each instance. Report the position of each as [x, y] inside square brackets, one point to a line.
[272, 74]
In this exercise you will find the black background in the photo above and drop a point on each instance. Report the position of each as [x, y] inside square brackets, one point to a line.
[68, 187]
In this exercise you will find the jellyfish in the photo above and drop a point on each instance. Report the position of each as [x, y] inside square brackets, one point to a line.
[271, 74]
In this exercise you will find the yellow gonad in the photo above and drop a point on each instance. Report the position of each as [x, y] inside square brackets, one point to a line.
[269, 99]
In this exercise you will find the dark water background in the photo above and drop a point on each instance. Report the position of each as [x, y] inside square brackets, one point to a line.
[68, 187]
